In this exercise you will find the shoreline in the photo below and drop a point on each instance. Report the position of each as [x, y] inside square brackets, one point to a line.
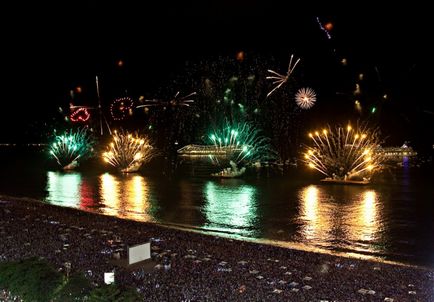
[271, 271]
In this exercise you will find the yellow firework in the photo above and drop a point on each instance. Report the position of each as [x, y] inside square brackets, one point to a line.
[128, 152]
[345, 153]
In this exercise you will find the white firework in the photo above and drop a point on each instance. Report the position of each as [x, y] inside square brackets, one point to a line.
[305, 98]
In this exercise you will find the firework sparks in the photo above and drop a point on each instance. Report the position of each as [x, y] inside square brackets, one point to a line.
[128, 152]
[326, 29]
[305, 98]
[280, 79]
[79, 113]
[177, 101]
[345, 153]
[68, 148]
[239, 143]
[120, 108]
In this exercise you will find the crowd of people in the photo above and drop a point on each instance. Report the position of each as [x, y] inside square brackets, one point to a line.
[190, 266]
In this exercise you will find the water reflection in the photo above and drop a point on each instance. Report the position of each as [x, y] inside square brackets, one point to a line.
[314, 216]
[230, 206]
[340, 219]
[110, 194]
[369, 223]
[126, 196]
[63, 189]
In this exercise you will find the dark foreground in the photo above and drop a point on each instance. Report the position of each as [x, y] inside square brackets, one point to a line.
[203, 268]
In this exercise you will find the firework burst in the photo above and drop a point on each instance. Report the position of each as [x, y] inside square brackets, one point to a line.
[305, 98]
[345, 153]
[128, 152]
[72, 146]
[121, 108]
[239, 143]
[280, 79]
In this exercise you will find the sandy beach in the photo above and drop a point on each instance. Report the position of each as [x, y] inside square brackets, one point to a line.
[202, 267]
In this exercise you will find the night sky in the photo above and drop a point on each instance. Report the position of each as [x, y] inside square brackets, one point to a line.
[48, 49]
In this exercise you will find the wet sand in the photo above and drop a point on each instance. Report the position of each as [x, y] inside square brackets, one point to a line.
[202, 267]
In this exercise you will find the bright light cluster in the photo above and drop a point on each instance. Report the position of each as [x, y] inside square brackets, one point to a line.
[73, 145]
[128, 152]
[305, 98]
[345, 153]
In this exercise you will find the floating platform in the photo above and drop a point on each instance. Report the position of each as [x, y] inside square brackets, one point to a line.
[345, 182]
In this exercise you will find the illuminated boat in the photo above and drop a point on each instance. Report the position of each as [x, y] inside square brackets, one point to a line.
[230, 172]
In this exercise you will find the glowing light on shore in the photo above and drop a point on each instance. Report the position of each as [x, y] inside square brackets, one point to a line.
[345, 154]
[128, 152]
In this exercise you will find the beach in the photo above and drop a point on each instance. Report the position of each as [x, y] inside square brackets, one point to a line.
[202, 267]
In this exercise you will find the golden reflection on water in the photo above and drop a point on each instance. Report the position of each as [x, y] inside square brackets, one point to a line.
[326, 220]
[125, 196]
[110, 188]
[314, 219]
[364, 224]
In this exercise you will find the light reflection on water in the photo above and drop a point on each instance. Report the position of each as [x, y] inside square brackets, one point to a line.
[64, 189]
[230, 206]
[313, 223]
[350, 223]
[126, 196]
[359, 220]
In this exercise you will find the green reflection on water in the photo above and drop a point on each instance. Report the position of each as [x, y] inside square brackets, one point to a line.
[63, 189]
[230, 206]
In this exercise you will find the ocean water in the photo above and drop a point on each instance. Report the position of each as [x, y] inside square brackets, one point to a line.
[390, 219]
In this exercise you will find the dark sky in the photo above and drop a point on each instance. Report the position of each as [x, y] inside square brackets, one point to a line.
[50, 48]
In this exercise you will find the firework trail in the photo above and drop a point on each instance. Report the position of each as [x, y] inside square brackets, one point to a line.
[325, 30]
[280, 79]
[183, 101]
